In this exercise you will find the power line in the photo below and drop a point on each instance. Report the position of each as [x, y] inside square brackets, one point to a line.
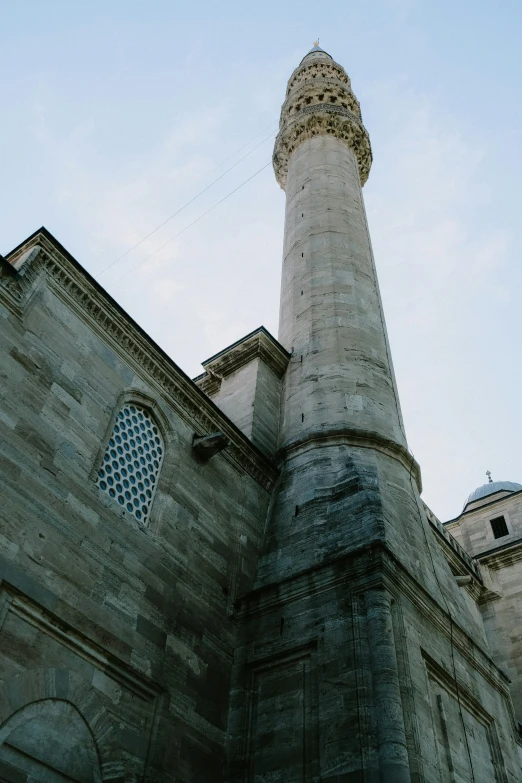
[218, 166]
[154, 230]
[194, 221]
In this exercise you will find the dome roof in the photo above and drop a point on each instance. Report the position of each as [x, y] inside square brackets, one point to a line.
[491, 488]
[315, 51]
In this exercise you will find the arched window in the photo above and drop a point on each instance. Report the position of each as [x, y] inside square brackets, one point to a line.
[132, 461]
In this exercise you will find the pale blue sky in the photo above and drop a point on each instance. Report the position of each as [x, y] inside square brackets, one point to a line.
[117, 113]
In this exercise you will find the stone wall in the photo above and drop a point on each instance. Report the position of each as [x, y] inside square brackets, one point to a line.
[351, 673]
[473, 528]
[500, 562]
[503, 618]
[244, 381]
[129, 626]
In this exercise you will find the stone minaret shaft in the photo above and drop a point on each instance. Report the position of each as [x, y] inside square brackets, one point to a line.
[341, 426]
[340, 378]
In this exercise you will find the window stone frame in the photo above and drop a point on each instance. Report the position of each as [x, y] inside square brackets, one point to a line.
[168, 466]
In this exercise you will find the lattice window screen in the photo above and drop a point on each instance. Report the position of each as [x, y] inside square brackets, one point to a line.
[132, 461]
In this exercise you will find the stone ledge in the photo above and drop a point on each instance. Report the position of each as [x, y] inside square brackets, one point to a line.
[365, 439]
[258, 344]
[501, 557]
[322, 120]
[63, 633]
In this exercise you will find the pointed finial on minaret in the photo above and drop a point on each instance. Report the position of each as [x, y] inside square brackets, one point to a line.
[316, 43]
[488, 474]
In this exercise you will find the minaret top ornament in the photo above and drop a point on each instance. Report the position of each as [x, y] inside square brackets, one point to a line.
[319, 102]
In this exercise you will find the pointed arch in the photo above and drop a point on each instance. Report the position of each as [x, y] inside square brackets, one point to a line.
[52, 684]
[51, 733]
[125, 491]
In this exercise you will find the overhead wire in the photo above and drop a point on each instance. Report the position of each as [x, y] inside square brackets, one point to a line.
[218, 165]
[191, 201]
[142, 261]
[270, 127]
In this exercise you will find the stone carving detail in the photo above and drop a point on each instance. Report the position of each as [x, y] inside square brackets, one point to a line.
[322, 121]
[319, 101]
[324, 69]
[325, 92]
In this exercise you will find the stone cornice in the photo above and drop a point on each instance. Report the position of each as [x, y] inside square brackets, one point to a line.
[35, 615]
[208, 383]
[475, 588]
[510, 554]
[365, 439]
[258, 344]
[75, 286]
[322, 120]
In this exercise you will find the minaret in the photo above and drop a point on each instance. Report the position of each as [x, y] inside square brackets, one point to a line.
[340, 411]
[341, 379]
[356, 639]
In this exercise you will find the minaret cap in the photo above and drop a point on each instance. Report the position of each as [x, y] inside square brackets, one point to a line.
[316, 51]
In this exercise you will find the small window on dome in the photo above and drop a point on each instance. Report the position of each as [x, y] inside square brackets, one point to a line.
[499, 527]
[132, 461]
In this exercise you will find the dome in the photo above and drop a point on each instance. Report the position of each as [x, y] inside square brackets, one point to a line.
[316, 51]
[491, 488]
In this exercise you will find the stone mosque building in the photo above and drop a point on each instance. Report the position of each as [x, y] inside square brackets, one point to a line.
[234, 579]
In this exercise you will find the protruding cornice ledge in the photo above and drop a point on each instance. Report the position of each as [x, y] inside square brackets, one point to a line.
[365, 439]
[322, 120]
[93, 303]
[500, 557]
[258, 344]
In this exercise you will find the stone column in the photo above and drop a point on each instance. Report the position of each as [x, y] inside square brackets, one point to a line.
[340, 377]
[387, 706]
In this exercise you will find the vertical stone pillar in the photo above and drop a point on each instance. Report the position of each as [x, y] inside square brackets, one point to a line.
[340, 378]
[391, 736]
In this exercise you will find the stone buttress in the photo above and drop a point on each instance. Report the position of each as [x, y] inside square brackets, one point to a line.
[360, 657]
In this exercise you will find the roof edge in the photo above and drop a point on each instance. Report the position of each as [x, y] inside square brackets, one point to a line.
[259, 329]
[50, 245]
[490, 503]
